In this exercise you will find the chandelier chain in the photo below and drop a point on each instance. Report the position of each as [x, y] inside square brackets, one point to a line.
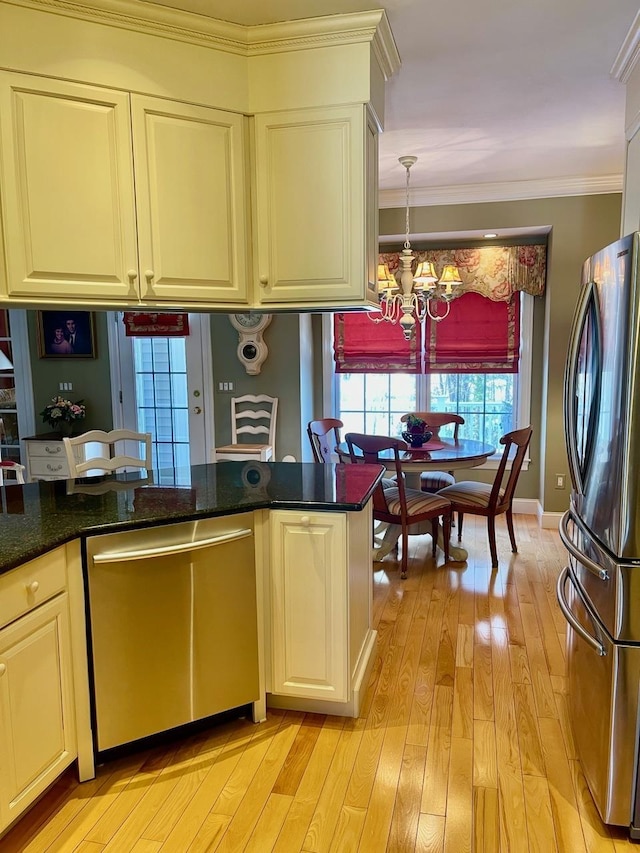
[407, 244]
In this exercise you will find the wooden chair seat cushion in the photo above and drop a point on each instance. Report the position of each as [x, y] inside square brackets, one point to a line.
[469, 493]
[417, 502]
[433, 481]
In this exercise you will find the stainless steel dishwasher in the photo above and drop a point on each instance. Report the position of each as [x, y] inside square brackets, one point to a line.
[172, 624]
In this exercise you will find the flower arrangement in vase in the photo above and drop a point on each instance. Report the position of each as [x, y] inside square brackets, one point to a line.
[62, 414]
[417, 431]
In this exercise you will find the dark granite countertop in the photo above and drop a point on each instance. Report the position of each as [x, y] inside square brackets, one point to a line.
[40, 516]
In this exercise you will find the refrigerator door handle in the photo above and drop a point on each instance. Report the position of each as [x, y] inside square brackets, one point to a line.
[570, 386]
[568, 615]
[565, 536]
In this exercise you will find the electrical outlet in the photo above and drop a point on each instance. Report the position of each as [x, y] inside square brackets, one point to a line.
[559, 481]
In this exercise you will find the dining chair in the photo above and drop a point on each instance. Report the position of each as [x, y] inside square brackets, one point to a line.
[398, 504]
[8, 465]
[492, 499]
[433, 481]
[251, 415]
[110, 455]
[324, 436]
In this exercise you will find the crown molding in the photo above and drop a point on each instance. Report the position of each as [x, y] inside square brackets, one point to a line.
[501, 191]
[627, 57]
[151, 18]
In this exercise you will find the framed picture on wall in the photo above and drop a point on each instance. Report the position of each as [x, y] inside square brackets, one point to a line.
[66, 334]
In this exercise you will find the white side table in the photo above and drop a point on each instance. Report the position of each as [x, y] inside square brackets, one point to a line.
[46, 459]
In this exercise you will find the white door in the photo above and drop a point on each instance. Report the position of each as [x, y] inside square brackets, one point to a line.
[165, 387]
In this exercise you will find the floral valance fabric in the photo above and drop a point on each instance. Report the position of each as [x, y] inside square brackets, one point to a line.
[496, 272]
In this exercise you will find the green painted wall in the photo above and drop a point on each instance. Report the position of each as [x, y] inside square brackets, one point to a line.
[89, 376]
[282, 375]
[579, 226]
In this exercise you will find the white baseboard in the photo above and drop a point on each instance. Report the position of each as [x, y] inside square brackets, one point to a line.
[526, 506]
[549, 520]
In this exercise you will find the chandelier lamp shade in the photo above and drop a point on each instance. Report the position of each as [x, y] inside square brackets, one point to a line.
[413, 299]
[5, 364]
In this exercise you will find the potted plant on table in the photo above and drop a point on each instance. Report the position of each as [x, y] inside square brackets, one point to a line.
[62, 414]
[417, 431]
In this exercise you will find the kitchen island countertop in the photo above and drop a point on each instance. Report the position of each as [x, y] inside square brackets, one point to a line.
[40, 516]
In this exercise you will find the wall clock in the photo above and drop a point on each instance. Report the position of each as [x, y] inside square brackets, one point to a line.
[252, 350]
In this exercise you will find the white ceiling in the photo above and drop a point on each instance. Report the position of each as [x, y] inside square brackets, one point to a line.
[490, 94]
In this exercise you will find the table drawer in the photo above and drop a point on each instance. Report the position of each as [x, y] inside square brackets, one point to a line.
[32, 584]
[41, 467]
[48, 449]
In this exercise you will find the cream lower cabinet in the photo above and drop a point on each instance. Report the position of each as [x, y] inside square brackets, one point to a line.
[37, 720]
[75, 228]
[320, 613]
[316, 207]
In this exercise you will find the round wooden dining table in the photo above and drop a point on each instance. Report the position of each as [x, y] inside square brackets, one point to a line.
[438, 454]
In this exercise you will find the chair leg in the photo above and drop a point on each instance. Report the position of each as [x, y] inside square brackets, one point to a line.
[512, 534]
[460, 517]
[491, 526]
[434, 535]
[446, 534]
[405, 552]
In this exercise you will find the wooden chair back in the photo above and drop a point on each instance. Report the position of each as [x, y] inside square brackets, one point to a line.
[254, 415]
[502, 495]
[436, 420]
[116, 456]
[324, 436]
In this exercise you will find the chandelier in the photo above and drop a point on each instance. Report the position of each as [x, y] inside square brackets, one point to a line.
[414, 299]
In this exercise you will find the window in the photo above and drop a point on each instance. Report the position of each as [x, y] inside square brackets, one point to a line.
[491, 403]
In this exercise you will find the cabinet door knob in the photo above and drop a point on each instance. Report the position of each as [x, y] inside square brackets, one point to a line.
[133, 275]
[197, 410]
[148, 274]
[264, 280]
[32, 587]
[3, 668]
[305, 521]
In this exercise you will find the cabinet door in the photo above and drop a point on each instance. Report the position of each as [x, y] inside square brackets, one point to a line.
[37, 727]
[309, 605]
[310, 206]
[190, 190]
[68, 206]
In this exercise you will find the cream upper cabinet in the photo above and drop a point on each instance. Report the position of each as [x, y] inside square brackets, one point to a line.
[190, 193]
[74, 228]
[68, 208]
[315, 203]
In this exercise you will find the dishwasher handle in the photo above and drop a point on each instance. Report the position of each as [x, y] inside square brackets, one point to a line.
[169, 550]
[595, 644]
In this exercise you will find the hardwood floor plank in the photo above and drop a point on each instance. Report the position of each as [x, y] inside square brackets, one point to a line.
[459, 822]
[531, 758]
[377, 824]
[348, 831]
[482, 683]
[539, 818]
[296, 762]
[462, 720]
[406, 813]
[486, 821]
[485, 766]
[268, 827]
[322, 826]
[596, 835]
[564, 808]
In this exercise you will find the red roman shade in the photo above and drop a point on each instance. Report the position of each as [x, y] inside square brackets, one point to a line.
[362, 346]
[478, 336]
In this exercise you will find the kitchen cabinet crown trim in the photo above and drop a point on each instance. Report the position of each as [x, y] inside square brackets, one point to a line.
[352, 28]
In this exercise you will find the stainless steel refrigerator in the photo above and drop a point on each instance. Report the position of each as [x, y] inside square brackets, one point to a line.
[599, 590]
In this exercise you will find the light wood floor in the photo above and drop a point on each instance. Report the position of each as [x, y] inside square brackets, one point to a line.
[463, 743]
